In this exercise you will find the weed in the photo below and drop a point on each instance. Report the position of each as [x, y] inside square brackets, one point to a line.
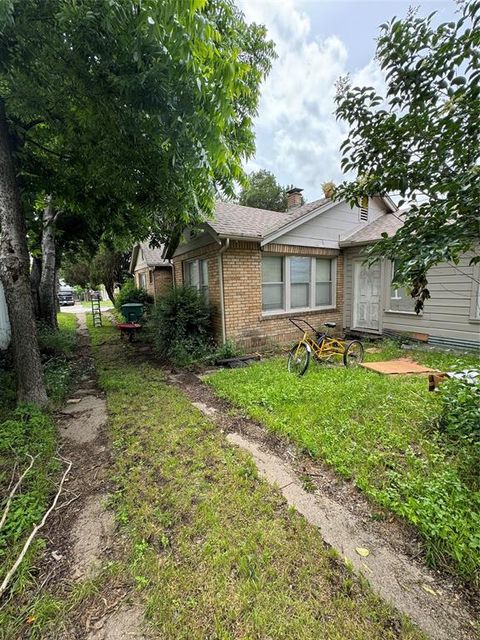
[380, 432]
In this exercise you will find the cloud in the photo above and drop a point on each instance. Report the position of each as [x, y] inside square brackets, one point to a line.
[298, 137]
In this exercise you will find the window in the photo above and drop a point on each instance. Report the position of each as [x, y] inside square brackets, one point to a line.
[400, 298]
[300, 272]
[272, 283]
[142, 280]
[323, 283]
[150, 276]
[297, 282]
[364, 209]
[196, 275]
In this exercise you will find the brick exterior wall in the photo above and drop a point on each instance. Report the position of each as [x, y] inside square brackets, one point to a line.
[211, 254]
[242, 285]
[158, 280]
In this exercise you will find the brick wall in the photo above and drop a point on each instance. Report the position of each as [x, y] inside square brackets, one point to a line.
[158, 280]
[211, 254]
[242, 284]
[243, 296]
[162, 281]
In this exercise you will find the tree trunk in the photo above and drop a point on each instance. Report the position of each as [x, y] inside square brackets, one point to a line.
[14, 272]
[35, 274]
[47, 290]
[109, 288]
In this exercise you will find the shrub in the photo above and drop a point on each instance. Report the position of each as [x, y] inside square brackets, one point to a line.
[182, 327]
[130, 293]
[460, 417]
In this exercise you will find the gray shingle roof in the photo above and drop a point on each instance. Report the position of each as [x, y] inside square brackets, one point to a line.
[236, 220]
[389, 223]
[153, 255]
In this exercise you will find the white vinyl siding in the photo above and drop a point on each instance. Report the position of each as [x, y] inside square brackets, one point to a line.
[196, 275]
[297, 283]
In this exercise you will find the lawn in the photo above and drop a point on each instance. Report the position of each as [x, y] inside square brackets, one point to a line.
[214, 551]
[380, 433]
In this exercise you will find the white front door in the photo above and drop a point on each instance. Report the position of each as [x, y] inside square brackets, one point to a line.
[366, 296]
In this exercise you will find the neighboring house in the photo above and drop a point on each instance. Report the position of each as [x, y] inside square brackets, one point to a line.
[259, 268]
[4, 321]
[150, 270]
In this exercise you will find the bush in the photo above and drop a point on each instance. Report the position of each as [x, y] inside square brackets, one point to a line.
[130, 293]
[460, 417]
[182, 327]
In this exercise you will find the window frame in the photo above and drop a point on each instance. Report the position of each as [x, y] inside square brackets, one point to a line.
[202, 287]
[397, 296]
[475, 295]
[287, 308]
[142, 280]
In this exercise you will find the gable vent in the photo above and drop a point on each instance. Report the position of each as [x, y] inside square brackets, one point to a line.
[364, 210]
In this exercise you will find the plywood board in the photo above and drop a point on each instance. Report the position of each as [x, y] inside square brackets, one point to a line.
[397, 367]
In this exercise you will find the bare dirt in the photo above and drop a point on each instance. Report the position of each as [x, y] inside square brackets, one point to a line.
[81, 536]
[385, 550]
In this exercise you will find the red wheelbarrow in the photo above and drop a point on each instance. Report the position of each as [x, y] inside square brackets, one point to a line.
[128, 330]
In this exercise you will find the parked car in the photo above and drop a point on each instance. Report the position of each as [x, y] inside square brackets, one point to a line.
[65, 297]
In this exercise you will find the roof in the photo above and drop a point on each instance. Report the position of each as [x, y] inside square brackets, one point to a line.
[372, 232]
[151, 255]
[235, 220]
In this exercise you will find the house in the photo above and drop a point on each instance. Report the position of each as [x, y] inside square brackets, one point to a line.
[4, 321]
[259, 268]
[150, 270]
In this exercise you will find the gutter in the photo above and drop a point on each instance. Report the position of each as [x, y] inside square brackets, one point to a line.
[222, 250]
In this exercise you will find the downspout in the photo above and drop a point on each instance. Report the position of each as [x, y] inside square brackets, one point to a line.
[223, 248]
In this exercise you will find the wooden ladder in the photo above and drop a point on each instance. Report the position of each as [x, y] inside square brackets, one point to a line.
[96, 313]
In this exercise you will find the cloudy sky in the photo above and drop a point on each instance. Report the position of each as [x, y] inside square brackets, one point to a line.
[317, 42]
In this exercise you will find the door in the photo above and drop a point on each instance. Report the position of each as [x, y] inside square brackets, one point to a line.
[366, 296]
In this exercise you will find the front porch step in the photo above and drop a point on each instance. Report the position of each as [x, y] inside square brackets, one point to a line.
[357, 334]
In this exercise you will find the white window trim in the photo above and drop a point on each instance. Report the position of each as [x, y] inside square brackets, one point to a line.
[474, 316]
[287, 309]
[403, 312]
[201, 285]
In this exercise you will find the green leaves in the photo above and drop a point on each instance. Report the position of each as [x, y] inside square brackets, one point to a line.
[420, 141]
[146, 108]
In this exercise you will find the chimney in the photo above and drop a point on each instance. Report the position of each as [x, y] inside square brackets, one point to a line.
[294, 198]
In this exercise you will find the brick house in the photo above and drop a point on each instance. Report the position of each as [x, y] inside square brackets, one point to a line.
[259, 268]
[150, 270]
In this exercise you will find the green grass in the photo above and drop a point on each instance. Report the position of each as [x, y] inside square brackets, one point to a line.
[379, 432]
[103, 303]
[214, 551]
[26, 431]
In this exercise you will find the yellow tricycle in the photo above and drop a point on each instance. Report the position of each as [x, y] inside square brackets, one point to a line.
[322, 347]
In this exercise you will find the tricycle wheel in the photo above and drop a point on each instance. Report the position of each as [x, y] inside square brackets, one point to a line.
[353, 354]
[298, 359]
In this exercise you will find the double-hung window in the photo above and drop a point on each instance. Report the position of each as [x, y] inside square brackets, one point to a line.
[273, 283]
[400, 299]
[291, 283]
[196, 275]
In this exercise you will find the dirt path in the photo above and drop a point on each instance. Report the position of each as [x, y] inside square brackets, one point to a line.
[344, 518]
[82, 535]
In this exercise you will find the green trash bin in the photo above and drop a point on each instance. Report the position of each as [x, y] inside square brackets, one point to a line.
[132, 311]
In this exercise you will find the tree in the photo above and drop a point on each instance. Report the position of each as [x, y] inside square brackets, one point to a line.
[420, 141]
[130, 114]
[262, 191]
[110, 267]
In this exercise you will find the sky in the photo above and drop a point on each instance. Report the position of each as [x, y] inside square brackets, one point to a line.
[317, 41]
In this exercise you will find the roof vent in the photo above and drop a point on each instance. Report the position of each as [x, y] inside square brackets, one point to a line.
[294, 198]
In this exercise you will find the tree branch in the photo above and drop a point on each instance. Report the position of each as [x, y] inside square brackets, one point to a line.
[36, 528]
[15, 489]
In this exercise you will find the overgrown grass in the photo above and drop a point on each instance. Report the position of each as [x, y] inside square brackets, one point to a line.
[28, 431]
[213, 549]
[380, 432]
